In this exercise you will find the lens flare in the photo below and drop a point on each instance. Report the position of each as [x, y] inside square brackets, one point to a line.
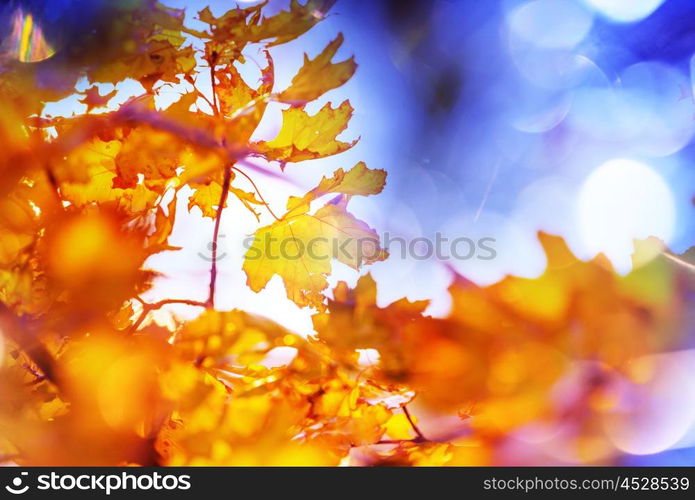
[27, 41]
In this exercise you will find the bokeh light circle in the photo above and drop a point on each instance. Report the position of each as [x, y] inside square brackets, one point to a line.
[555, 24]
[620, 201]
[662, 409]
[624, 11]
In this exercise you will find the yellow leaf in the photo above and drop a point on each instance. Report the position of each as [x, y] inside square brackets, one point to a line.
[157, 59]
[218, 336]
[303, 136]
[248, 26]
[100, 190]
[318, 76]
[207, 198]
[241, 104]
[359, 180]
[300, 248]
[399, 427]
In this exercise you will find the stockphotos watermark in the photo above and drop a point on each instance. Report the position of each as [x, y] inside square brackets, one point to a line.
[349, 249]
[105, 483]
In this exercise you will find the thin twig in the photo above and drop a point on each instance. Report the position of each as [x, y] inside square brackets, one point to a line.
[258, 192]
[216, 233]
[148, 308]
[203, 96]
[212, 62]
[396, 441]
[418, 433]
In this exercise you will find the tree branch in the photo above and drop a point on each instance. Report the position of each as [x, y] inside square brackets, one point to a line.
[213, 62]
[216, 234]
[29, 343]
[418, 433]
[148, 308]
[258, 192]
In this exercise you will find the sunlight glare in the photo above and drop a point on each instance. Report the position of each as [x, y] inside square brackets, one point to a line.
[620, 201]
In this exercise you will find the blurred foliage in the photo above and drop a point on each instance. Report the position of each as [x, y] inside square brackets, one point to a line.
[87, 378]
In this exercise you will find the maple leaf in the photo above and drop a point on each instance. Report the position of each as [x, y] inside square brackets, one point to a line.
[18, 223]
[86, 200]
[154, 50]
[318, 76]
[93, 99]
[573, 296]
[219, 337]
[99, 189]
[330, 232]
[299, 246]
[242, 104]
[237, 27]
[249, 431]
[285, 26]
[162, 227]
[144, 151]
[304, 137]
[206, 197]
[87, 175]
[359, 180]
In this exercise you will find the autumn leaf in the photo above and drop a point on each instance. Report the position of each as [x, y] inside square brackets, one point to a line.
[300, 246]
[304, 137]
[99, 189]
[249, 200]
[153, 54]
[97, 366]
[243, 105]
[144, 151]
[19, 223]
[158, 235]
[207, 198]
[93, 99]
[318, 76]
[300, 249]
[573, 295]
[285, 26]
[247, 25]
[359, 180]
[217, 338]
